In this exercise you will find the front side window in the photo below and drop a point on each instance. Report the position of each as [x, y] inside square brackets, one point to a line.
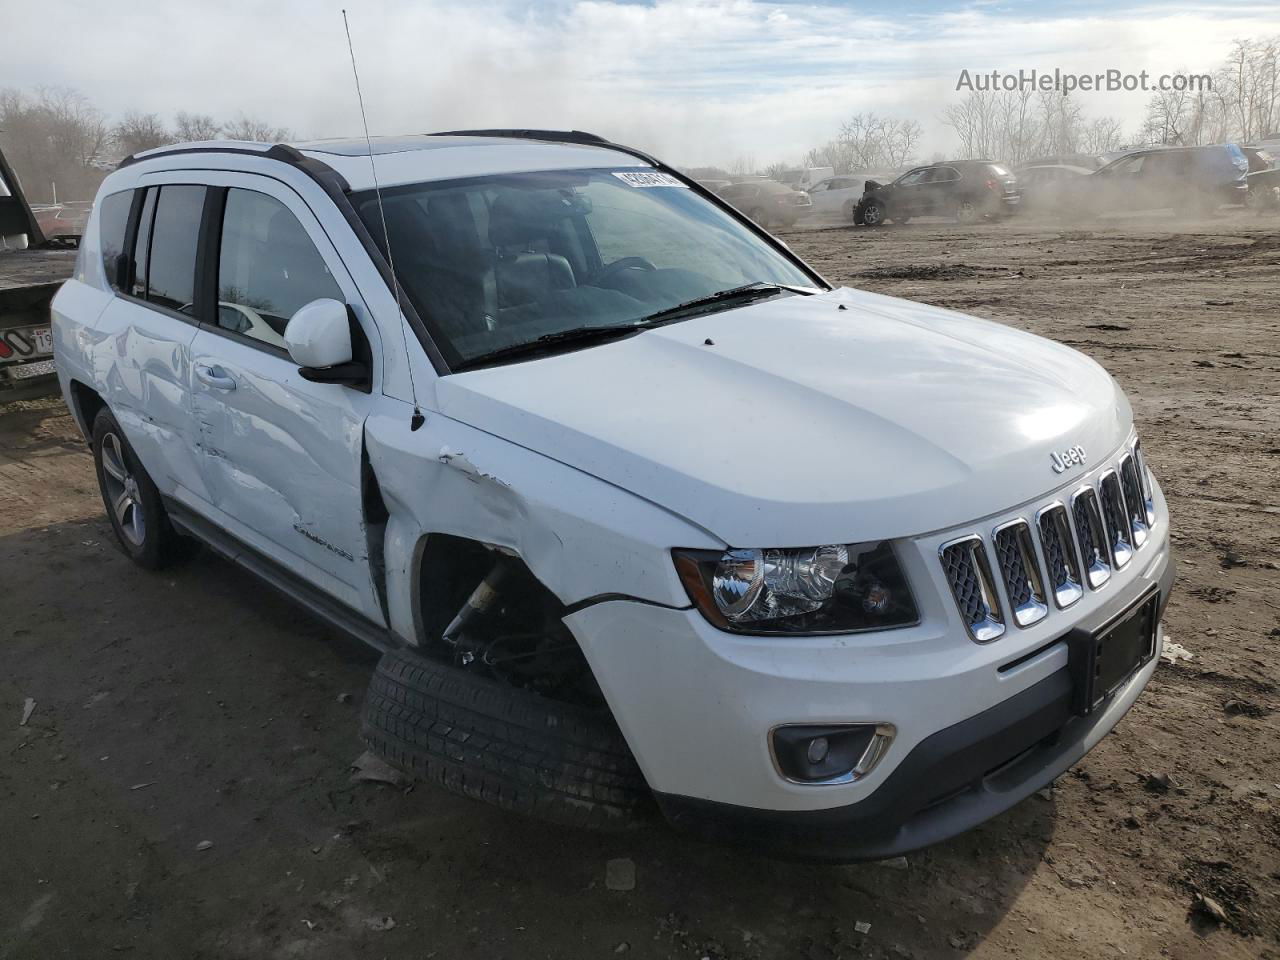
[494, 262]
[267, 268]
[175, 233]
[912, 177]
[113, 222]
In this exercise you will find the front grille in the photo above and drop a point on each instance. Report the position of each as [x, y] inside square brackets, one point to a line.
[1116, 519]
[1090, 537]
[965, 564]
[1016, 555]
[1080, 543]
[1060, 555]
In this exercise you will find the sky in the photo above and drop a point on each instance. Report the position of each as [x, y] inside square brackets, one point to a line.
[701, 82]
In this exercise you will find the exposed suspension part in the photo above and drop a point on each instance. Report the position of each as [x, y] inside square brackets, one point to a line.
[510, 628]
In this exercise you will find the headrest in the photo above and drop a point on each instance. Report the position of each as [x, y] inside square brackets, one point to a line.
[520, 216]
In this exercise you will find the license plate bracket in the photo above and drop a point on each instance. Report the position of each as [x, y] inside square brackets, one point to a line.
[1102, 661]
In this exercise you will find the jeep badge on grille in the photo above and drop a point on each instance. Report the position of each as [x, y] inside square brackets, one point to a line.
[1070, 457]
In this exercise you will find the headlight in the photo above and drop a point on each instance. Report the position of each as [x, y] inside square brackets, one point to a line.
[835, 588]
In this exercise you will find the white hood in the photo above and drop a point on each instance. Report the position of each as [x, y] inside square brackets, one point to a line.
[802, 423]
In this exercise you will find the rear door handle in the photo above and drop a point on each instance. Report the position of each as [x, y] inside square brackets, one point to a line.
[215, 377]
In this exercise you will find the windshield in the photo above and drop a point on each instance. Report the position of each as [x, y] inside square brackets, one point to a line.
[492, 262]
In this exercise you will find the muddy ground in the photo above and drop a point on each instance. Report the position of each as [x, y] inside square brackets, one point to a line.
[182, 786]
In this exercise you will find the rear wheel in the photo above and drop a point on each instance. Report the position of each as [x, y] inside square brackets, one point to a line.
[759, 217]
[133, 503]
[967, 212]
[509, 747]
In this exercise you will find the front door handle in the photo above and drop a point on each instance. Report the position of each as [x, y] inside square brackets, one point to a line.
[215, 377]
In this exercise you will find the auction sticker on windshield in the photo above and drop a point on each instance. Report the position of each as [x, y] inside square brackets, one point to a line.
[649, 179]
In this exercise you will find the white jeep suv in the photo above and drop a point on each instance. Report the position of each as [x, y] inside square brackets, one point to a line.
[637, 506]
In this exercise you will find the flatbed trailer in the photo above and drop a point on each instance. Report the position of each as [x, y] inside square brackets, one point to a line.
[29, 277]
[28, 281]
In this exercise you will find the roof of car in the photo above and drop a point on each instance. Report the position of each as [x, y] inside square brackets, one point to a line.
[423, 157]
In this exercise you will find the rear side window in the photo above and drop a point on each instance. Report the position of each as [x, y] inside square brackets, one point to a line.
[113, 222]
[267, 268]
[175, 233]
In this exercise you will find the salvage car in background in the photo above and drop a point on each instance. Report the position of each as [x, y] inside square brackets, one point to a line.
[768, 202]
[636, 505]
[1047, 187]
[966, 190]
[837, 197]
[1191, 181]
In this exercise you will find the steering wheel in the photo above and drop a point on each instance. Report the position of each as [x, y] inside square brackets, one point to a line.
[613, 269]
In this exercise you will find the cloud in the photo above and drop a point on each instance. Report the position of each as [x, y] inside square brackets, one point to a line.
[695, 82]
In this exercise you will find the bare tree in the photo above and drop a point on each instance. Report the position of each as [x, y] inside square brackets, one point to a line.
[1101, 135]
[188, 127]
[140, 131]
[1170, 118]
[867, 142]
[56, 138]
[248, 128]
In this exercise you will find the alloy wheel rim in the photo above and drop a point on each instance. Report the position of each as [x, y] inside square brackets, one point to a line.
[122, 491]
[871, 214]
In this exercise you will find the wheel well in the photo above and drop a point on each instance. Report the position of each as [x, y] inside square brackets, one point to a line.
[87, 404]
[482, 608]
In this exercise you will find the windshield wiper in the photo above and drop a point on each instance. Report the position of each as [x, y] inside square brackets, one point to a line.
[604, 332]
[548, 341]
[746, 292]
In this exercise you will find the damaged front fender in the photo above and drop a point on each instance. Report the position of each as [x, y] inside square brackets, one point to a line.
[580, 536]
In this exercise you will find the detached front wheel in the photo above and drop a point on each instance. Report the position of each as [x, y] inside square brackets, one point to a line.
[509, 747]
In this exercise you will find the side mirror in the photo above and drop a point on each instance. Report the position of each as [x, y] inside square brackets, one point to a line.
[319, 334]
[319, 340]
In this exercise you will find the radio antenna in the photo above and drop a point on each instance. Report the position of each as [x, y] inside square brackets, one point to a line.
[417, 419]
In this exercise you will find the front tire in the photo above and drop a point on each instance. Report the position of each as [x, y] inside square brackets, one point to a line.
[133, 503]
[510, 747]
[874, 213]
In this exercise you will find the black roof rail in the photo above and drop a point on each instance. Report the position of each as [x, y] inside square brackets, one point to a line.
[317, 170]
[552, 136]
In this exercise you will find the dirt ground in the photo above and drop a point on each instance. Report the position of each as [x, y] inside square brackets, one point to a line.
[181, 788]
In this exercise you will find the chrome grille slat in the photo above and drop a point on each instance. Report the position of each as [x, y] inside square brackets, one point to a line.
[1144, 480]
[1135, 503]
[1115, 519]
[1016, 556]
[1090, 537]
[968, 573]
[1060, 555]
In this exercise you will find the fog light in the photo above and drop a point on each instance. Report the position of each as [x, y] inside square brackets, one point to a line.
[828, 753]
[818, 749]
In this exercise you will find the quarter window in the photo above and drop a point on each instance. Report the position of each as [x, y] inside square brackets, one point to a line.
[113, 221]
[171, 271]
[267, 268]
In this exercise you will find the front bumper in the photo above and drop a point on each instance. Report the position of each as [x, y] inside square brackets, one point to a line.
[696, 705]
[950, 782]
